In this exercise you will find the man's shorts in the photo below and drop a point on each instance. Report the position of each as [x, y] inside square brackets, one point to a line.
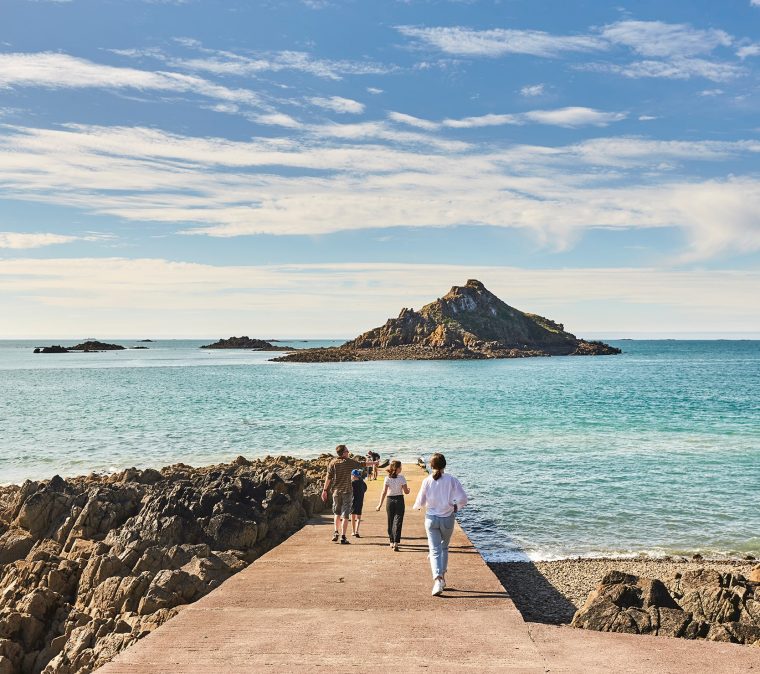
[342, 502]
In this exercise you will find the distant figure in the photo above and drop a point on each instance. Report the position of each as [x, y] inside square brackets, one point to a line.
[444, 496]
[369, 462]
[359, 489]
[339, 478]
[395, 487]
[375, 464]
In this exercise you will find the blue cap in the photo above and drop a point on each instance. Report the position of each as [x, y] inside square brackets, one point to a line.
[356, 472]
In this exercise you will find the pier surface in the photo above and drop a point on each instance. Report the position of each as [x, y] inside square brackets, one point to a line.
[311, 605]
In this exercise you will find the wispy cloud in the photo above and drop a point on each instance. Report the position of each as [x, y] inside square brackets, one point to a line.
[221, 62]
[62, 71]
[23, 240]
[338, 104]
[664, 40]
[567, 117]
[463, 41]
[410, 120]
[670, 50]
[342, 177]
[674, 69]
[533, 90]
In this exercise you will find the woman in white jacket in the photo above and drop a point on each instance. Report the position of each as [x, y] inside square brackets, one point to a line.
[443, 495]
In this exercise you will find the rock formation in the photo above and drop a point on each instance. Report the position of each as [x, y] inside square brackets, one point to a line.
[57, 348]
[469, 322]
[91, 564]
[245, 343]
[705, 604]
[95, 345]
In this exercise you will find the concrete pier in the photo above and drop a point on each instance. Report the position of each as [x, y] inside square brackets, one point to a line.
[311, 605]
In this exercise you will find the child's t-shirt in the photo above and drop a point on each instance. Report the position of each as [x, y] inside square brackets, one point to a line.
[395, 485]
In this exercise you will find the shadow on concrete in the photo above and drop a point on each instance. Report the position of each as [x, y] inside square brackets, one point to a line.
[454, 593]
[534, 596]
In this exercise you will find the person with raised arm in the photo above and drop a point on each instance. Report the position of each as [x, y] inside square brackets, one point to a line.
[443, 496]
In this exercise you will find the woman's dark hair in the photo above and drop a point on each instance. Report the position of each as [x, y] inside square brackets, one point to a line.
[437, 463]
[394, 468]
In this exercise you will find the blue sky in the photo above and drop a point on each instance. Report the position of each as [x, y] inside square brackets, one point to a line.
[308, 167]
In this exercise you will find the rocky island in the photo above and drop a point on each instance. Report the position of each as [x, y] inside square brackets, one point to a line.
[469, 322]
[89, 565]
[95, 345]
[245, 343]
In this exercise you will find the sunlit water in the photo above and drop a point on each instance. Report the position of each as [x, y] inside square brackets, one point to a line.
[656, 450]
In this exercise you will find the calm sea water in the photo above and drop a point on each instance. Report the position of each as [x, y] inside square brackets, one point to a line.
[656, 450]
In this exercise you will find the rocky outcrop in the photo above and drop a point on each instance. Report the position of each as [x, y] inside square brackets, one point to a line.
[94, 345]
[705, 604]
[51, 349]
[469, 322]
[245, 343]
[91, 564]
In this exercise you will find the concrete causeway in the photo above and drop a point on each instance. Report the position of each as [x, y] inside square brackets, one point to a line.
[311, 605]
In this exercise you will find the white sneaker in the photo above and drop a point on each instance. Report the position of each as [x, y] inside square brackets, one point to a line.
[438, 587]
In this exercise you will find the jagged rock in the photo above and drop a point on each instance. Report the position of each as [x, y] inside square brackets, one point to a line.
[705, 605]
[95, 345]
[89, 565]
[57, 348]
[469, 322]
[15, 544]
[245, 343]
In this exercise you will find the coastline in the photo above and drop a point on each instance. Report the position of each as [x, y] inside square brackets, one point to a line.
[551, 592]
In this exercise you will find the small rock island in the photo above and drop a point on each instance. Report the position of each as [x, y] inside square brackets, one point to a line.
[468, 323]
[245, 343]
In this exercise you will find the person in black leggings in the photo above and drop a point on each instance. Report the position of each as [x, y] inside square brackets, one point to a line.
[394, 488]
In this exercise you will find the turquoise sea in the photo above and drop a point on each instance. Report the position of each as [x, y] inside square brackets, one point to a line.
[656, 450]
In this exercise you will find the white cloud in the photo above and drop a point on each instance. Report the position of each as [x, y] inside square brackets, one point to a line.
[574, 116]
[23, 240]
[61, 71]
[410, 120]
[224, 188]
[711, 92]
[132, 297]
[374, 91]
[338, 104]
[675, 69]
[278, 119]
[230, 63]
[748, 50]
[646, 118]
[533, 90]
[664, 40]
[754, 3]
[463, 41]
[568, 117]
[482, 120]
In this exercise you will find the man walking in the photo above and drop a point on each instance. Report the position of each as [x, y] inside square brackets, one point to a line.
[339, 478]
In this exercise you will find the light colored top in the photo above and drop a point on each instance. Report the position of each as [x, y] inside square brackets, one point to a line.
[440, 495]
[395, 485]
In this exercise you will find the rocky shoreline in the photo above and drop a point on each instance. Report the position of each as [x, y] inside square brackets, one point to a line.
[89, 565]
[716, 597]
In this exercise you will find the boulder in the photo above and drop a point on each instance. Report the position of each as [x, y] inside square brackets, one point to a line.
[705, 605]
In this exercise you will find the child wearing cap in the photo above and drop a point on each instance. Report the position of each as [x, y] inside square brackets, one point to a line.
[359, 487]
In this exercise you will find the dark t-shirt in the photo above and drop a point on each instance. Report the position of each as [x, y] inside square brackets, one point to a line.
[359, 487]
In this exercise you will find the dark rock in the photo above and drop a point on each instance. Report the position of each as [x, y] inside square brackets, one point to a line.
[245, 343]
[51, 349]
[94, 345]
[468, 323]
[705, 605]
